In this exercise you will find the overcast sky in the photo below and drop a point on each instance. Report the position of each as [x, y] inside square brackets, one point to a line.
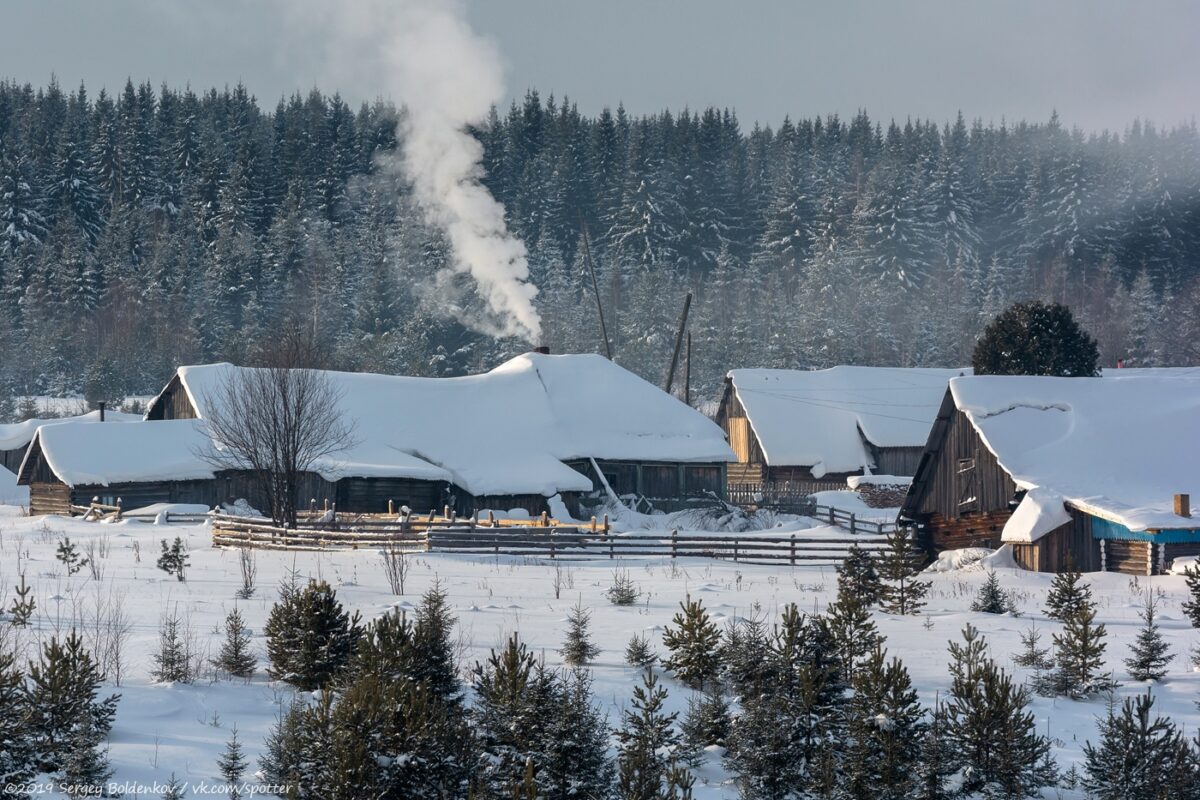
[1100, 63]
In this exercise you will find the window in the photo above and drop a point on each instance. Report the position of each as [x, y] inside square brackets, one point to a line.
[968, 499]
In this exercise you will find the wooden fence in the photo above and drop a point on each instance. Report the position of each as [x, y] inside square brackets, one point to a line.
[789, 496]
[580, 542]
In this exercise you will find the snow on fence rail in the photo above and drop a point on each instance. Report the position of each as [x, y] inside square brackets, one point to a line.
[583, 542]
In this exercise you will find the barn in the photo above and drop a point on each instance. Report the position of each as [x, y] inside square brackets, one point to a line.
[815, 428]
[576, 426]
[1091, 472]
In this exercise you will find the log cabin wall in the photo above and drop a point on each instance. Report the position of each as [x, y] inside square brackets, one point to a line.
[49, 498]
[172, 403]
[896, 460]
[1068, 546]
[964, 477]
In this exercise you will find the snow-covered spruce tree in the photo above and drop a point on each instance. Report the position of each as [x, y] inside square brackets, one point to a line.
[1036, 338]
[173, 661]
[990, 727]
[576, 762]
[437, 666]
[283, 748]
[855, 634]
[902, 591]
[693, 641]
[64, 710]
[706, 723]
[1139, 758]
[745, 653]
[1191, 606]
[1079, 656]
[85, 766]
[516, 699]
[792, 727]
[578, 648]
[639, 653]
[991, 598]
[232, 764]
[886, 726]
[936, 763]
[1150, 653]
[310, 637]
[23, 605]
[857, 576]
[173, 559]
[1067, 594]
[623, 591]
[236, 657]
[17, 759]
[645, 742]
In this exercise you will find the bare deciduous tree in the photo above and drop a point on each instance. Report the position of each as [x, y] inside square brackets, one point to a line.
[277, 422]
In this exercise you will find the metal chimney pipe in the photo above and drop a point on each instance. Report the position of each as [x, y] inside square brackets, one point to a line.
[543, 349]
[102, 404]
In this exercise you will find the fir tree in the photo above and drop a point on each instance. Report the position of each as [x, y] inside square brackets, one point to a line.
[64, 711]
[232, 764]
[576, 762]
[236, 657]
[17, 755]
[886, 731]
[902, 592]
[745, 652]
[706, 723]
[174, 559]
[310, 637]
[577, 648]
[854, 632]
[693, 641]
[437, 667]
[1150, 653]
[1139, 758]
[991, 598]
[68, 554]
[1191, 606]
[1033, 656]
[644, 742]
[989, 725]
[639, 653]
[516, 701]
[23, 605]
[173, 661]
[857, 576]
[1067, 594]
[173, 789]
[1079, 656]
[85, 767]
[622, 592]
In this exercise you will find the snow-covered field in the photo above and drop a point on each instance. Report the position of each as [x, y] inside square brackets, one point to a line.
[162, 729]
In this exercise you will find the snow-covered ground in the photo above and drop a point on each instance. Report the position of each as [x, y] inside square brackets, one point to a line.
[162, 729]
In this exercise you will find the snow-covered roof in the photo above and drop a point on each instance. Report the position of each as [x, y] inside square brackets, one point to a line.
[813, 418]
[82, 454]
[1118, 447]
[19, 434]
[507, 431]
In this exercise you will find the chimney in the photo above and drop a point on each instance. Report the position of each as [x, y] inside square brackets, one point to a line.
[101, 404]
[543, 349]
[1183, 505]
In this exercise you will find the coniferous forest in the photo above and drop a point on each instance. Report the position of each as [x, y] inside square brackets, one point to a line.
[149, 228]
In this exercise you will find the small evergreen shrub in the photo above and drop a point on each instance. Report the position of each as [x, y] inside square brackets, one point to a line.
[310, 637]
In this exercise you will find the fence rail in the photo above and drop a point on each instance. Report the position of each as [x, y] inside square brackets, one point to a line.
[554, 542]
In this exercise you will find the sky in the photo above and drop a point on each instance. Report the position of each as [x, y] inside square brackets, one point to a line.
[1099, 63]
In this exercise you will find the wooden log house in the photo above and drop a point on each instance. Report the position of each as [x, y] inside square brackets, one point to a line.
[815, 428]
[1067, 471]
[538, 427]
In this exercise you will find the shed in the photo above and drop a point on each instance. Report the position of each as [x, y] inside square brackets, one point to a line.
[818, 427]
[15, 437]
[1095, 472]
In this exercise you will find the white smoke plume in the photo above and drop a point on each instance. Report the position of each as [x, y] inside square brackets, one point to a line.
[446, 77]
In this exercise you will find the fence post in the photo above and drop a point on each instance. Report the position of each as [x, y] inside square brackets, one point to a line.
[831, 515]
[545, 519]
[611, 545]
[606, 524]
[792, 550]
[391, 507]
[674, 540]
[852, 530]
[552, 547]
[735, 551]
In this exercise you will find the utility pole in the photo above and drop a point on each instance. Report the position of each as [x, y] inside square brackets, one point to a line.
[687, 305]
[587, 253]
